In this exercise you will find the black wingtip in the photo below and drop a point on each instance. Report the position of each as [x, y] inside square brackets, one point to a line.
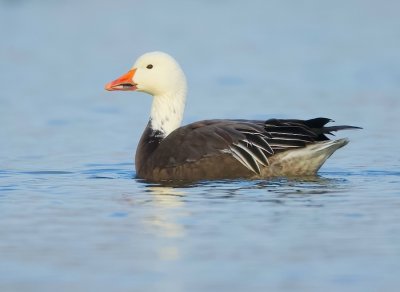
[317, 122]
[321, 122]
[342, 127]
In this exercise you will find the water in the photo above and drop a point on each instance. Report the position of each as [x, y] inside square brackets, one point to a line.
[74, 218]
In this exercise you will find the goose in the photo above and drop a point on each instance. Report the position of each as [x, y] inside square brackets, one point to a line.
[220, 148]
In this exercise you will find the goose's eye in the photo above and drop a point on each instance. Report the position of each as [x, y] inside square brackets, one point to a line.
[149, 66]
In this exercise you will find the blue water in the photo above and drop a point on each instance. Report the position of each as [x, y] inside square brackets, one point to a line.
[74, 218]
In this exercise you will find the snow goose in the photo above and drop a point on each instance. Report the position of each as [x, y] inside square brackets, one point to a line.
[217, 149]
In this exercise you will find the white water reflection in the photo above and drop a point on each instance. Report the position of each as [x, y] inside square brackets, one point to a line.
[168, 210]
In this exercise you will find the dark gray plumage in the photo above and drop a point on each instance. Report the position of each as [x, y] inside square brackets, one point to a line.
[217, 149]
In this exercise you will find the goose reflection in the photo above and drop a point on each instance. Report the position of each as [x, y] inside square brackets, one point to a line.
[165, 222]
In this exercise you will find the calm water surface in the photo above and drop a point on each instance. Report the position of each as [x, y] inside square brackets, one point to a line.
[74, 218]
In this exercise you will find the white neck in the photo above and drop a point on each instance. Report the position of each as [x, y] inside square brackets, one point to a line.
[167, 111]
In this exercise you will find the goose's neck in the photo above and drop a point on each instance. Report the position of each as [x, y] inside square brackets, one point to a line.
[167, 111]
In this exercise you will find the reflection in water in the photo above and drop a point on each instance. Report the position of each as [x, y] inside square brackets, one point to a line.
[164, 221]
[169, 210]
[304, 186]
[275, 190]
[167, 196]
[307, 186]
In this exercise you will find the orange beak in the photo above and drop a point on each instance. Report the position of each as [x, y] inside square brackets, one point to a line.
[125, 82]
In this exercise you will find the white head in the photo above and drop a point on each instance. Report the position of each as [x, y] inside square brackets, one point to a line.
[159, 75]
